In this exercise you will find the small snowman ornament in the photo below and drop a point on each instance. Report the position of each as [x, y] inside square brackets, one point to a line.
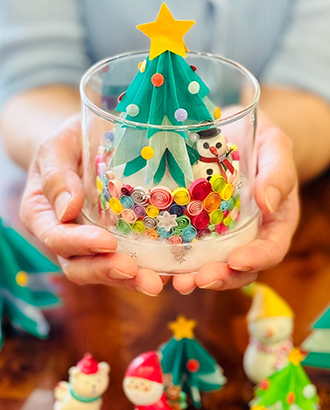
[143, 383]
[88, 380]
[215, 157]
[270, 324]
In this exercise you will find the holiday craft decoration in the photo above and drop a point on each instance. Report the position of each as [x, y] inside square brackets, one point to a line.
[88, 381]
[24, 289]
[317, 344]
[287, 389]
[176, 398]
[168, 185]
[143, 383]
[189, 365]
[270, 324]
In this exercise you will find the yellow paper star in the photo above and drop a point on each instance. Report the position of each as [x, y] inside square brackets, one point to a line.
[166, 33]
[295, 357]
[183, 328]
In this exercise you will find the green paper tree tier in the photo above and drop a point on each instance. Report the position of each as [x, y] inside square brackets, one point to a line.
[287, 389]
[188, 363]
[23, 290]
[317, 344]
[166, 91]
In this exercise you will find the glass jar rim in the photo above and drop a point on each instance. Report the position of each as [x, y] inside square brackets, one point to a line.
[183, 128]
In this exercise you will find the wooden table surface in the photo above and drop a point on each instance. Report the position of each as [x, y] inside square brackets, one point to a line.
[116, 325]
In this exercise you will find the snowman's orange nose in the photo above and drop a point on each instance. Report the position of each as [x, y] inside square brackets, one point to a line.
[268, 333]
[214, 151]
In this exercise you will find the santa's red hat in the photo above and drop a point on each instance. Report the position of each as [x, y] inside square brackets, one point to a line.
[147, 366]
[88, 365]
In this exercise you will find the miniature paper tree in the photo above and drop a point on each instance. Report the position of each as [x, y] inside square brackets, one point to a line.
[287, 389]
[23, 291]
[166, 91]
[317, 344]
[189, 364]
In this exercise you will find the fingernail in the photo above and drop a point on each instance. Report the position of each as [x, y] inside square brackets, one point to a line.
[213, 285]
[188, 293]
[141, 290]
[98, 250]
[61, 204]
[273, 198]
[241, 268]
[117, 274]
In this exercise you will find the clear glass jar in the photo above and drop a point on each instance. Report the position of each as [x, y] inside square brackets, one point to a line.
[175, 196]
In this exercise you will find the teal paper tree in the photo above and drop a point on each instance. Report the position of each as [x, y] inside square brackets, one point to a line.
[188, 363]
[165, 91]
[317, 344]
[23, 290]
[287, 389]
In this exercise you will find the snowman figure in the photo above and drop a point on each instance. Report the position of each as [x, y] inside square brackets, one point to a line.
[215, 157]
[143, 383]
[270, 324]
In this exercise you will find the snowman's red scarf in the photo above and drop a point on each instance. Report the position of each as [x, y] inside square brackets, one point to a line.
[222, 162]
[282, 351]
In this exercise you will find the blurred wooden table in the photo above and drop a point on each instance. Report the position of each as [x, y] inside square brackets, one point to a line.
[115, 326]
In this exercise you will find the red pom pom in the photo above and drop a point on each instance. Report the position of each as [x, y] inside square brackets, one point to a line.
[264, 384]
[193, 365]
[291, 398]
[157, 79]
[121, 96]
[193, 68]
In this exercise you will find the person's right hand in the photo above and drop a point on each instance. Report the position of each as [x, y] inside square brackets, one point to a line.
[54, 197]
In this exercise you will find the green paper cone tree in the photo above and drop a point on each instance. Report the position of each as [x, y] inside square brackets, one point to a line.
[317, 344]
[23, 288]
[287, 389]
[166, 91]
[188, 363]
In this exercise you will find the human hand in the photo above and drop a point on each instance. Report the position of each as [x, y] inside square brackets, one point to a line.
[54, 197]
[276, 194]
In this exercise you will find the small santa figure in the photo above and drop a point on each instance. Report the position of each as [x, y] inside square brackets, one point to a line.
[270, 324]
[215, 156]
[143, 383]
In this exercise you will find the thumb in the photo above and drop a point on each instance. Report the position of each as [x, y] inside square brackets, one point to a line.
[276, 175]
[58, 163]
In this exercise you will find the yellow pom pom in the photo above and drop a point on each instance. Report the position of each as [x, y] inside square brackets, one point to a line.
[142, 66]
[22, 279]
[217, 113]
[147, 153]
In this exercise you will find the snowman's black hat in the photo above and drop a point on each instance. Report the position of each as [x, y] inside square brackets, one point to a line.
[209, 132]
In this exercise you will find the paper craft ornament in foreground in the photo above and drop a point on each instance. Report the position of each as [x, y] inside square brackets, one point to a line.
[317, 344]
[87, 383]
[24, 287]
[287, 389]
[270, 324]
[143, 383]
[168, 171]
[187, 364]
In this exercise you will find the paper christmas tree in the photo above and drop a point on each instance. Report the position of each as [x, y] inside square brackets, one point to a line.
[165, 91]
[317, 344]
[23, 290]
[287, 389]
[189, 364]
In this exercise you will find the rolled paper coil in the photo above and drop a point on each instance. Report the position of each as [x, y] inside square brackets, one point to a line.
[138, 227]
[115, 206]
[227, 192]
[189, 233]
[149, 222]
[201, 221]
[203, 233]
[106, 194]
[224, 205]
[124, 227]
[183, 222]
[114, 187]
[152, 211]
[151, 234]
[99, 184]
[216, 217]
[126, 190]
[218, 183]
[181, 196]
[175, 240]
[140, 196]
[139, 211]
[161, 197]
[176, 209]
[234, 214]
[163, 233]
[126, 201]
[227, 221]
[221, 229]
[129, 216]
[195, 207]
[212, 202]
[200, 189]
[231, 205]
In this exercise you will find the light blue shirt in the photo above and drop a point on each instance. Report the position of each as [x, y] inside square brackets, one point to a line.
[283, 42]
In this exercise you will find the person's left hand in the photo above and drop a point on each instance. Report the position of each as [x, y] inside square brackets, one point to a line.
[276, 194]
